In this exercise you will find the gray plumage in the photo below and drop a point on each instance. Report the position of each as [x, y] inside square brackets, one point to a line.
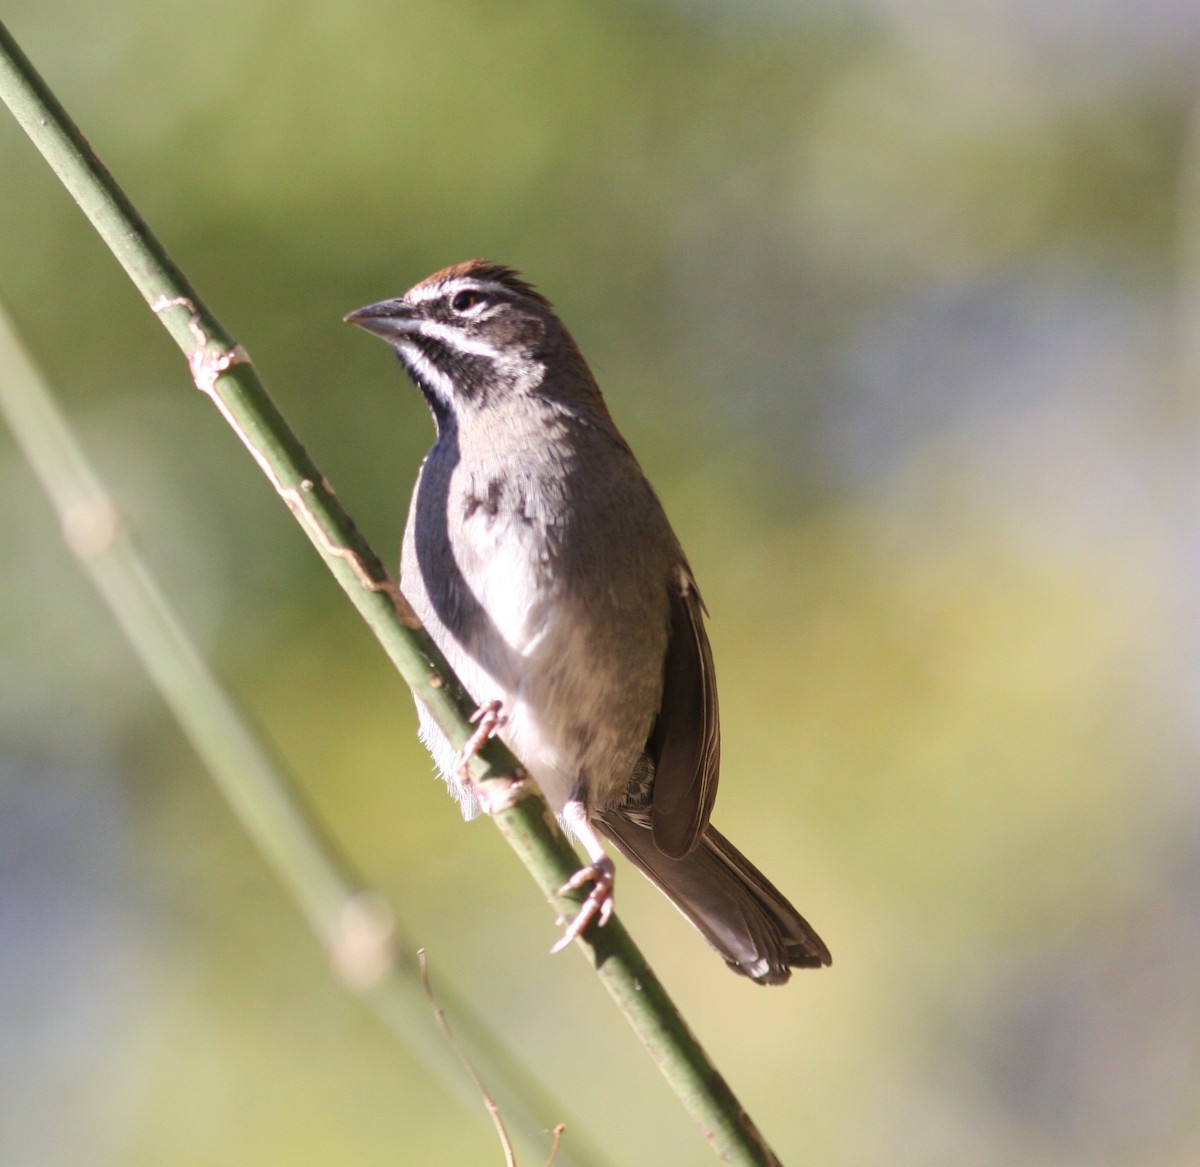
[542, 564]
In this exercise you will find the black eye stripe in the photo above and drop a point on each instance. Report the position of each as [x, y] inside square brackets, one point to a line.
[464, 367]
[445, 356]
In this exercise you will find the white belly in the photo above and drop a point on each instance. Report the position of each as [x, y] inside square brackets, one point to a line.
[517, 661]
[576, 715]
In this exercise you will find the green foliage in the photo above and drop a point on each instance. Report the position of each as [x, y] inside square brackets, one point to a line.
[886, 308]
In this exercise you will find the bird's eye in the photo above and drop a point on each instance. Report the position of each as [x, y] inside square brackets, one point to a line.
[466, 300]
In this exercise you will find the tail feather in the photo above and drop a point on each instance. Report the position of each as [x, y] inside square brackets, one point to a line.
[731, 903]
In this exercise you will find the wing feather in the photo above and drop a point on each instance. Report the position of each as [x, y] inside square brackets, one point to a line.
[685, 744]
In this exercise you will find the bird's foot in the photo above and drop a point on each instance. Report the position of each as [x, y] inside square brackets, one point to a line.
[599, 903]
[487, 720]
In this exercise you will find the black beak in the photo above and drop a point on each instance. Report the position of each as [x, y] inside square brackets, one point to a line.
[388, 318]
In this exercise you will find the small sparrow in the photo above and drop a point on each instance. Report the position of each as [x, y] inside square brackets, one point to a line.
[541, 562]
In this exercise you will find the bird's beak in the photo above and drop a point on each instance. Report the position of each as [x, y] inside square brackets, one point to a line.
[388, 318]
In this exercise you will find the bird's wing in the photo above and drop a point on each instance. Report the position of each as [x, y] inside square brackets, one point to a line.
[685, 744]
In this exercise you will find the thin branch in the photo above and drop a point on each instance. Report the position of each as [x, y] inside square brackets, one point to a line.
[555, 1142]
[222, 369]
[489, 1103]
[352, 922]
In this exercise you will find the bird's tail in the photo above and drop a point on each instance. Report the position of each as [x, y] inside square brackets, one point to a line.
[732, 904]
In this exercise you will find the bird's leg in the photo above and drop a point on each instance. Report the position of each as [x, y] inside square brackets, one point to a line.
[599, 873]
[487, 719]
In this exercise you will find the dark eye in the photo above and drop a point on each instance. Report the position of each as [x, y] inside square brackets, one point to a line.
[466, 300]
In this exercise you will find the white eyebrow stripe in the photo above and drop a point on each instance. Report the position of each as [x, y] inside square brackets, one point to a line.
[428, 292]
[424, 368]
[420, 295]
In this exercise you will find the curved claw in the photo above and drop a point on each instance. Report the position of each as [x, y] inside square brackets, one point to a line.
[487, 719]
[599, 903]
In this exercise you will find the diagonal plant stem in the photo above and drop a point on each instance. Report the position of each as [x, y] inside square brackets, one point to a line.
[354, 924]
[221, 368]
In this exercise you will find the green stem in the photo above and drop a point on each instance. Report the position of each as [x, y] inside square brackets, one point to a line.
[222, 369]
[353, 924]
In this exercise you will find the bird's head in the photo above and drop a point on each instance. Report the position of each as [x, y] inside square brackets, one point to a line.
[476, 335]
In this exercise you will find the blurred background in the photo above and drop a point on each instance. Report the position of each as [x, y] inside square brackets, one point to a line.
[897, 300]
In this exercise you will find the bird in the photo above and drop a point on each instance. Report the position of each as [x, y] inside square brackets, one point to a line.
[542, 564]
